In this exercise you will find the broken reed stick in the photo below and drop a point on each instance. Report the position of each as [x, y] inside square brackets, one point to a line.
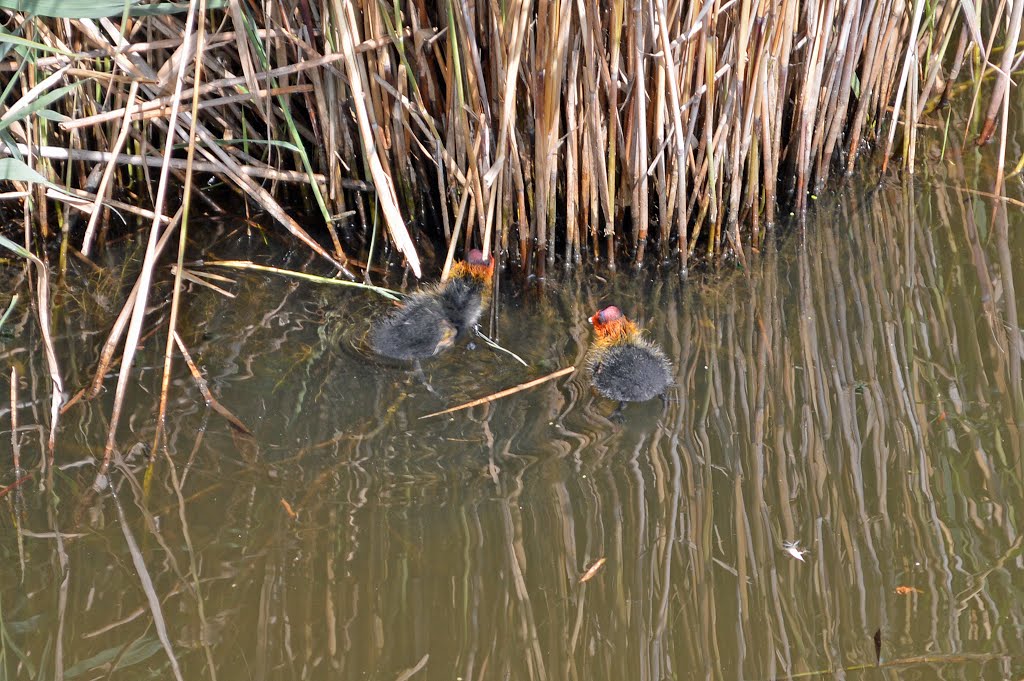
[592, 570]
[504, 393]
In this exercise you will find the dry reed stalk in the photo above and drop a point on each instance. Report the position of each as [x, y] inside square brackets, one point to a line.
[676, 135]
[640, 151]
[172, 335]
[108, 171]
[149, 263]
[572, 145]
[45, 327]
[908, 61]
[1013, 33]
[383, 183]
[121, 325]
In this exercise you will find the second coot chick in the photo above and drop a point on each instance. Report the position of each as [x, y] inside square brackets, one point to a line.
[430, 321]
[623, 365]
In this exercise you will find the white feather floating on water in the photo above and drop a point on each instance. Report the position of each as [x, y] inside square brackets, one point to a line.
[794, 550]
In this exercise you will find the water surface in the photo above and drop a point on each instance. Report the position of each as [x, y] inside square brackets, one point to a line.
[855, 388]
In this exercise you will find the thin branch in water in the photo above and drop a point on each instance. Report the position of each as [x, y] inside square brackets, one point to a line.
[205, 389]
[495, 345]
[503, 393]
[15, 485]
[147, 586]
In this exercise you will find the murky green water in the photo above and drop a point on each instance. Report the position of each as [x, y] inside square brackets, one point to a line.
[856, 389]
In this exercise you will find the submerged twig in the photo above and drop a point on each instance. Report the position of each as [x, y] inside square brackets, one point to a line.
[408, 673]
[14, 485]
[494, 344]
[205, 389]
[146, 582]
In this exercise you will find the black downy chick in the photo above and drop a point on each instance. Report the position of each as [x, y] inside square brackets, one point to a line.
[623, 365]
[465, 295]
[430, 321]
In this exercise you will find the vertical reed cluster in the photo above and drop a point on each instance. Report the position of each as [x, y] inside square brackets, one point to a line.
[548, 126]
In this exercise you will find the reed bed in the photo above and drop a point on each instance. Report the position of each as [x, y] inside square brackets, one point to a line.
[539, 129]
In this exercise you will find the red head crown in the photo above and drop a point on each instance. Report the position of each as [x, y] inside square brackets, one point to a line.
[611, 325]
[608, 315]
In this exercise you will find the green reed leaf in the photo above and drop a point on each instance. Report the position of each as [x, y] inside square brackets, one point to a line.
[38, 105]
[96, 9]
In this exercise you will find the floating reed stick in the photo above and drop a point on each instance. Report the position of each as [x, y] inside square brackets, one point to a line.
[247, 265]
[503, 393]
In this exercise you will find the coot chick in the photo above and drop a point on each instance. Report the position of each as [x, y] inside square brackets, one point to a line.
[623, 365]
[430, 321]
[416, 330]
[467, 290]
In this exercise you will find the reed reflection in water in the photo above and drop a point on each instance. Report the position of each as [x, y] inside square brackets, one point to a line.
[856, 391]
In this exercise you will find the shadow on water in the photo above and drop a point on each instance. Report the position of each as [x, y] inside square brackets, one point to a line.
[857, 391]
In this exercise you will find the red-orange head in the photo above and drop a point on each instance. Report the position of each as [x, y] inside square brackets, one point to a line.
[611, 325]
[477, 266]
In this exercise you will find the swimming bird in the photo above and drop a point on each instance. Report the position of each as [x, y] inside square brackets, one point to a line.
[464, 296]
[623, 365]
[430, 321]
